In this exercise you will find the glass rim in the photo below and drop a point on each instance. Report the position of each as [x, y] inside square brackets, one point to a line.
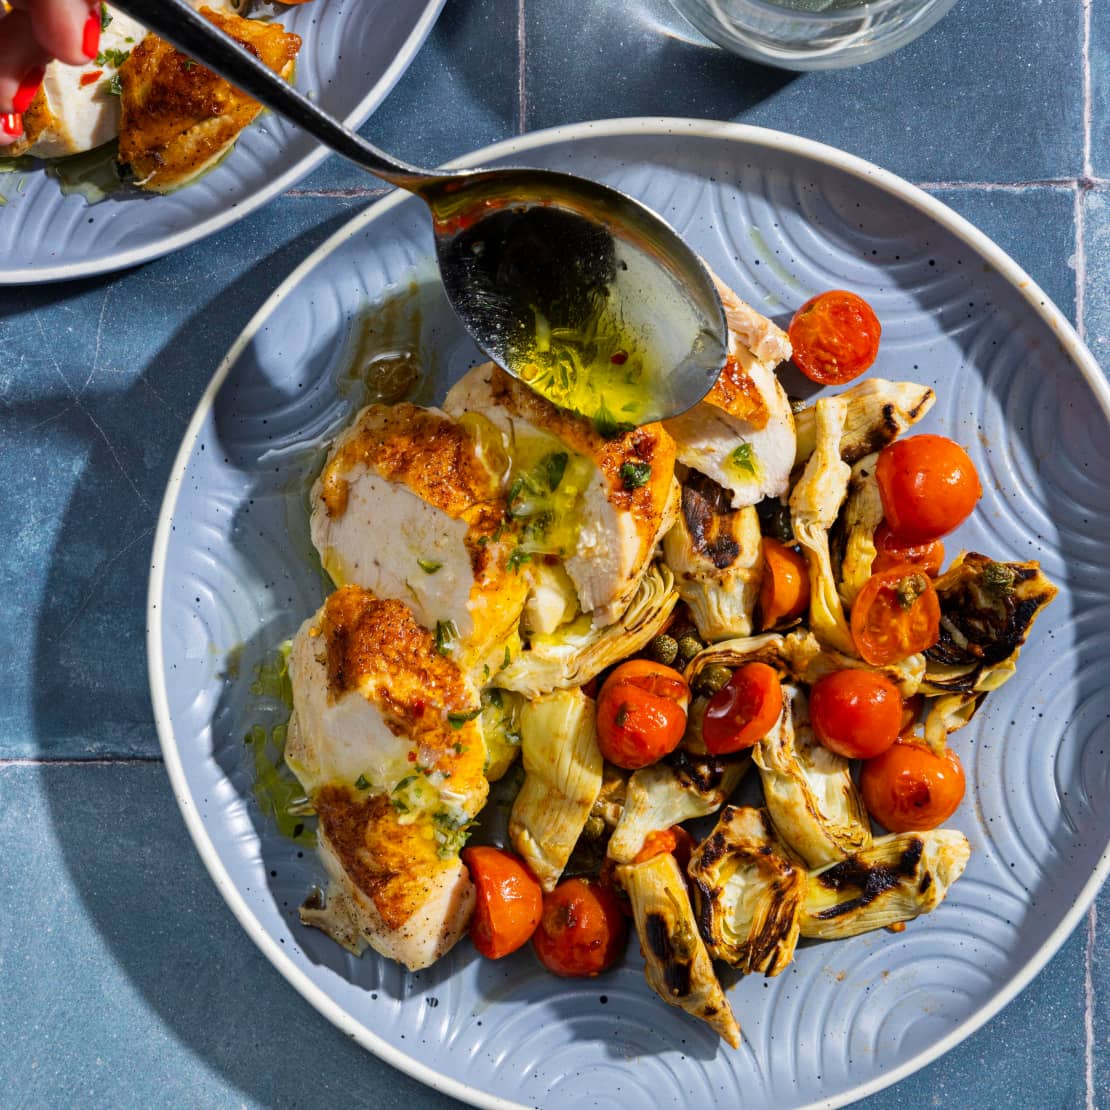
[864, 7]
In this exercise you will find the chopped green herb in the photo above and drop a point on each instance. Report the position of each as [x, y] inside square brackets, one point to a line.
[112, 86]
[445, 635]
[457, 720]
[408, 780]
[743, 459]
[400, 805]
[460, 748]
[492, 697]
[105, 17]
[112, 57]
[517, 557]
[554, 467]
[190, 65]
[607, 425]
[361, 783]
[485, 670]
[635, 474]
[507, 660]
[427, 566]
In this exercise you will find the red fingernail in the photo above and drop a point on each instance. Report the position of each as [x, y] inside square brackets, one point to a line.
[90, 39]
[27, 89]
[12, 124]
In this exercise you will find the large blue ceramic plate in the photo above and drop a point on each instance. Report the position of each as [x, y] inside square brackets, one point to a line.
[779, 218]
[354, 52]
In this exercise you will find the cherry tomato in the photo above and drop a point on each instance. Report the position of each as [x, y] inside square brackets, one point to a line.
[641, 713]
[889, 552]
[582, 931]
[835, 337]
[909, 789]
[896, 614]
[675, 840]
[784, 590]
[509, 901]
[744, 710]
[856, 714]
[928, 486]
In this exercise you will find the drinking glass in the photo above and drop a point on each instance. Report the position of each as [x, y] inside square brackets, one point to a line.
[812, 34]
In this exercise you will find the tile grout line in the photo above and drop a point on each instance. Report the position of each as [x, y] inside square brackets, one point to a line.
[522, 68]
[1086, 182]
[1018, 186]
[95, 761]
[1089, 1008]
[355, 192]
[1088, 94]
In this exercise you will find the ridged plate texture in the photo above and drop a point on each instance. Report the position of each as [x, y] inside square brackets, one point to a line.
[779, 219]
[353, 53]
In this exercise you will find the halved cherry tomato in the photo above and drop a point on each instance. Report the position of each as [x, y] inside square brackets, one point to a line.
[928, 486]
[909, 789]
[784, 591]
[676, 841]
[890, 552]
[835, 337]
[509, 901]
[582, 931]
[641, 713]
[744, 710]
[855, 713]
[896, 614]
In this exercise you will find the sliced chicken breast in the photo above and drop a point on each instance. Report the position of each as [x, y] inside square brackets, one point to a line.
[385, 741]
[628, 496]
[178, 118]
[742, 434]
[406, 508]
[75, 109]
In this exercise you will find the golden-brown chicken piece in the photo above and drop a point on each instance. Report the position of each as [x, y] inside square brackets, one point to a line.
[178, 118]
[385, 741]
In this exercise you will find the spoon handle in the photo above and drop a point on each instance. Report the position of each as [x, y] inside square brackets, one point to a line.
[179, 24]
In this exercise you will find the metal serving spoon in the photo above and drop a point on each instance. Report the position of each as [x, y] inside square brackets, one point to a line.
[570, 285]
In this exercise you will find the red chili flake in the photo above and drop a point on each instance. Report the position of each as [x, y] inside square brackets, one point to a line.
[91, 77]
[418, 708]
[618, 358]
[412, 757]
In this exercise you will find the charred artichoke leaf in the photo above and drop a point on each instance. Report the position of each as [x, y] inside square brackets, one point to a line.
[950, 713]
[677, 788]
[563, 772]
[801, 655]
[747, 892]
[878, 412]
[814, 505]
[578, 651]
[676, 963]
[809, 792]
[898, 878]
[863, 513]
[716, 554]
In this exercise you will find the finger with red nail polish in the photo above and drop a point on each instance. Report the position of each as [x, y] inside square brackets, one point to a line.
[28, 86]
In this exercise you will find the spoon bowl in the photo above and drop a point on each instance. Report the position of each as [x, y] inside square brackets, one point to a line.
[580, 291]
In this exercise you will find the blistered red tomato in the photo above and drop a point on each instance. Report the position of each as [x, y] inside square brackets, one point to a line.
[855, 713]
[641, 713]
[508, 904]
[910, 789]
[744, 710]
[835, 337]
[582, 931]
[928, 485]
[896, 614]
[784, 589]
[891, 552]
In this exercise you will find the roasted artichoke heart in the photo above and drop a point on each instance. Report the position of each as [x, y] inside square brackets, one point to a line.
[809, 792]
[747, 893]
[677, 788]
[853, 540]
[677, 965]
[563, 770]
[878, 412]
[814, 505]
[897, 879]
[716, 554]
[578, 651]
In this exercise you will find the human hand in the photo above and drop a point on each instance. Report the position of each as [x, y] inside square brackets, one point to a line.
[33, 33]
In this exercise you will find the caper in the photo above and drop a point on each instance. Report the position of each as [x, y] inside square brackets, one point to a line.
[688, 647]
[712, 679]
[663, 649]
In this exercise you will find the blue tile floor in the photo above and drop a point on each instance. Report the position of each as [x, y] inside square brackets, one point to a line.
[115, 948]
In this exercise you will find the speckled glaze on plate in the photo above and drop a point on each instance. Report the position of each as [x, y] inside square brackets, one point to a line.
[354, 52]
[779, 218]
